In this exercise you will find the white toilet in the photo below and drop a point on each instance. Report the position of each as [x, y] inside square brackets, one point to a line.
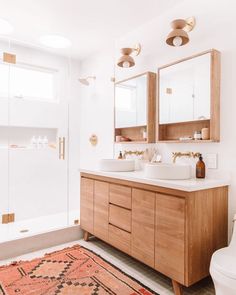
[223, 267]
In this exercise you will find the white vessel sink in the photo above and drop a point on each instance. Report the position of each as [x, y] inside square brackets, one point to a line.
[115, 165]
[168, 171]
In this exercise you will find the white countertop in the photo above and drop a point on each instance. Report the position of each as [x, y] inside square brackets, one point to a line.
[189, 185]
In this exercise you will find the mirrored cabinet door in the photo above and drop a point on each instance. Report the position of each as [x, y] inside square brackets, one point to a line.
[185, 90]
[135, 100]
[130, 102]
[188, 97]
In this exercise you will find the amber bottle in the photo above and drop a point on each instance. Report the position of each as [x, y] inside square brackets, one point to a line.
[200, 168]
[120, 157]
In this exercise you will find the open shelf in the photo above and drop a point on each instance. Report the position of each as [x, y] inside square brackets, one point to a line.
[171, 132]
[132, 142]
[185, 141]
[133, 133]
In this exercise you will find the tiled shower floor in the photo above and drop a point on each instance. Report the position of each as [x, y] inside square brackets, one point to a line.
[29, 227]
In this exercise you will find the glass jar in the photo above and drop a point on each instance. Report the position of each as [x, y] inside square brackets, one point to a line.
[197, 135]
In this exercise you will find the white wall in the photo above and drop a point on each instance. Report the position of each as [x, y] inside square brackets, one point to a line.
[214, 29]
[97, 109]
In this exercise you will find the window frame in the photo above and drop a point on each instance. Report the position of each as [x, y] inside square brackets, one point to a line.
[36, 68]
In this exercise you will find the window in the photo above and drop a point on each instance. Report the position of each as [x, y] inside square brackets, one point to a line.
[27, 82]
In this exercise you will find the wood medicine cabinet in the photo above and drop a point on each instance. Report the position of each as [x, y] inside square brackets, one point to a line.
[189, 98]
[135, 104]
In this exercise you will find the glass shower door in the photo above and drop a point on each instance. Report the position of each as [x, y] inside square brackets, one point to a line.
[4, 139]
[38, 145]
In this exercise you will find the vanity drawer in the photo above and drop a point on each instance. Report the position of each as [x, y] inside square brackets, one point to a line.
[120, 217]
[120, 195]
[119, 239]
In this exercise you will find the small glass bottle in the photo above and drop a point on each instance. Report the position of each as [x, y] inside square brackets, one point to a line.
[197, 135]
[120, 157]
[200, 168]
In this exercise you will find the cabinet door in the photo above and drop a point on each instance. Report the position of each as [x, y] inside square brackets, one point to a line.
[101, 208]
[143, 222]
[86, 204]
[170, 236]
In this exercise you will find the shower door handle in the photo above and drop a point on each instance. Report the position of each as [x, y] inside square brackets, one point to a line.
[62, 148]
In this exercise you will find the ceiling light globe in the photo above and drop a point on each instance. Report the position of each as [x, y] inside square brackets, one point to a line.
[180, 36]
[126, 64]
[126, 61]
[177, 41]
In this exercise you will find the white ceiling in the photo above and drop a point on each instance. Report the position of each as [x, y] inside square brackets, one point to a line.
[90, 24]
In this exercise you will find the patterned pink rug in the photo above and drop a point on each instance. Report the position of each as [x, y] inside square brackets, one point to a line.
[70, 271]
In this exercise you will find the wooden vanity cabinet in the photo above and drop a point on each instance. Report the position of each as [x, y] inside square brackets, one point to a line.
[173, 231]
[86, 204]
[170, 236]
[101, 210]
[143, 226]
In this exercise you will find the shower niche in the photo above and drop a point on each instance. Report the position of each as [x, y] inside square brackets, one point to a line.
[21, 138]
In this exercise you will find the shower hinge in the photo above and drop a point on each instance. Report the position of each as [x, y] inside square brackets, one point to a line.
[7, 218]
[76, 221]
[9, 57]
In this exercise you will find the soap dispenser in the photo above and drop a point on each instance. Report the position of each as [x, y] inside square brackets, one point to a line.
[200, 168]
[120, 157]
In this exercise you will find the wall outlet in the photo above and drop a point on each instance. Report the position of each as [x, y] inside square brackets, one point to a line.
[212, 161]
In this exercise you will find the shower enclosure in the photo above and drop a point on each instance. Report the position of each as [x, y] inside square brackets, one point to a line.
[34, 148]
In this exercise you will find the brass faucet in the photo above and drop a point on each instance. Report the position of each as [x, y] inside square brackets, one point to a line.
[136, 153]
[176, 155]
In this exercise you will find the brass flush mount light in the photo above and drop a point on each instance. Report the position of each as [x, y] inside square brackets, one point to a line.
[93, 139]
[126, 60]
[179, 35]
